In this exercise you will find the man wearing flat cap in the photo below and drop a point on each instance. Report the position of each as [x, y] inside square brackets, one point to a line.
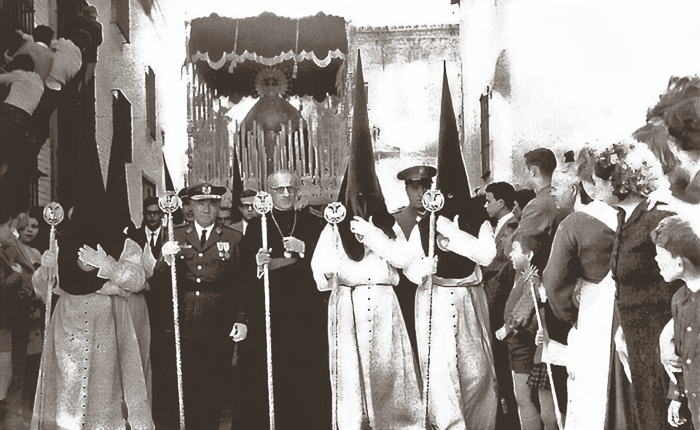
[206, 254]
[418, 180]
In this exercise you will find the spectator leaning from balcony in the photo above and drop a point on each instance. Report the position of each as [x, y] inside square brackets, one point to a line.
[15, 119]
[67, 60]
[36, 46]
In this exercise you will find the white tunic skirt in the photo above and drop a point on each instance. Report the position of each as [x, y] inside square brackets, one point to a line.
[462, 386]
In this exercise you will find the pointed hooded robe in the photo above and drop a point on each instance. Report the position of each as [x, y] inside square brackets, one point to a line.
[373, 373]
[91, 358]
[462, 388]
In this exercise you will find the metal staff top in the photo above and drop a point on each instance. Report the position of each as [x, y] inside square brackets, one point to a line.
[433, 200]
[169, 202]
[334, 213]
[262, 203]
[53, 214]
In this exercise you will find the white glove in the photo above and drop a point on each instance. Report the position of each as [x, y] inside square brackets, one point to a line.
[363, 228]
[425, 266]
[170, 250]
[50, 258]
[97, 258]
[420, 268]
[447, 227]
[263, 257]
[239, 332]
[501, 333]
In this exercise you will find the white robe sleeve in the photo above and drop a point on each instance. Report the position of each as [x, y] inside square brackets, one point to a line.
[128, 273]
[481, 250]
[394, 251]
[325, 262]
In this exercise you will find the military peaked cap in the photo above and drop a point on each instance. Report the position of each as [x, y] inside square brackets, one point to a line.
[416, 173]
[206, 191]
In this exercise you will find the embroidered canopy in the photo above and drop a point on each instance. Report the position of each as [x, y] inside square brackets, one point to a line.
[229, 53]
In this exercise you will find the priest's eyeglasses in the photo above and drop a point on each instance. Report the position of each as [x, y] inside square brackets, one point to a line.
[282, 190]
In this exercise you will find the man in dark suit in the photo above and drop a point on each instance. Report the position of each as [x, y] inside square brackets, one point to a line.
[245, 206]
[151, 232]
[206, 254]
[500, 201]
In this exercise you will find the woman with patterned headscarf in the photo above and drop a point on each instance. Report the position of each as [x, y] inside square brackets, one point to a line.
[628, 177]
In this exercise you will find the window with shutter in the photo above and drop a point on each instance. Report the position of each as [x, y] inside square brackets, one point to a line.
[121, 135]
[151, 103]
[485, 137]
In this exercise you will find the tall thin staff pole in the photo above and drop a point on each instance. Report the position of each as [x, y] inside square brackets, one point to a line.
[169, 204]
[560, 421]
[433, 201]
[334, 213]
[53, 215]
[263, 205]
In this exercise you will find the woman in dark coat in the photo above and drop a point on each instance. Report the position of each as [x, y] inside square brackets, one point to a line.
[628, 173]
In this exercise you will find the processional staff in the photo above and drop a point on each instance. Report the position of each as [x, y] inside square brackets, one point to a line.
[53, 215]
[334, 213]
[169, 203]
[433, 201]
[263, 204]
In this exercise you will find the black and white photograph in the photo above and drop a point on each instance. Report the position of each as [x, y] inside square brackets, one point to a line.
[349, 215]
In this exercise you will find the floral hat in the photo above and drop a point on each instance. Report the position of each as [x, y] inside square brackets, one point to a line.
[632, 168]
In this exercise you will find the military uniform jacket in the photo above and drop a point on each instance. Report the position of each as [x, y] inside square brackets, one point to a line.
[210, 296]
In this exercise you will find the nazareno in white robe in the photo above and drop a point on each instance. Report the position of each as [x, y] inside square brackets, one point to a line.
[365, 321]
[92, 358]
[462, 385]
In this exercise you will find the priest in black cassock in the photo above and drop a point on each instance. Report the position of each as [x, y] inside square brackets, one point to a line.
[302, 390]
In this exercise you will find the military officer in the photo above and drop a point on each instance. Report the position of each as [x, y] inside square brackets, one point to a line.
[418, 180]
[206, 255]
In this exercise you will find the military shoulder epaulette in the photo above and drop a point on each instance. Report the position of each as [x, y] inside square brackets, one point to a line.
[398, 210]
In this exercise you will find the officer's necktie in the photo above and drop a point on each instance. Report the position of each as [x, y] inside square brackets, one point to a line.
[153, 239]
[203, 239]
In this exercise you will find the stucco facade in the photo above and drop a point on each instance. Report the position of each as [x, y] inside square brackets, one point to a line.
[156, 40]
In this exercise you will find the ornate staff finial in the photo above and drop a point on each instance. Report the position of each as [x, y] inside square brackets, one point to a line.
[433, 200]
[262, 203]
[169, 202]
[334, 213]
[53, 214]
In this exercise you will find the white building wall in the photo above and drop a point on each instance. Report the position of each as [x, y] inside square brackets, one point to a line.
[157, 41]
[581, 71]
